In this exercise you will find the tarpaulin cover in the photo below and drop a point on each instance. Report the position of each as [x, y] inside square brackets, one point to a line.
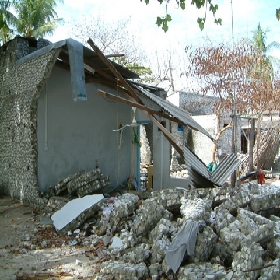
[76, 60]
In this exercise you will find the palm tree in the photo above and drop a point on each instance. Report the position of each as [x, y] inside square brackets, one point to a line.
[35, 18]
[7, 19]
[31, 18]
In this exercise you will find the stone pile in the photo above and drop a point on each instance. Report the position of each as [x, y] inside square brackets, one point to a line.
[238, 237]
[81, 183]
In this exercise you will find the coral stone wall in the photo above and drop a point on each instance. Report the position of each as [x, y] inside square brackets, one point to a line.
[20, 86]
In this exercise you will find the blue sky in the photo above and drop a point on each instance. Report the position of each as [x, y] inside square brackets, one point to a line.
[183, 29]
[246, 16]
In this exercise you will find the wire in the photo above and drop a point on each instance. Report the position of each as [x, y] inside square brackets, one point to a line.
[232, 36]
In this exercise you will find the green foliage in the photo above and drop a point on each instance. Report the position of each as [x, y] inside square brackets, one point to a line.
[31, 18]
[36, 17]
[163, 21]
[7, 20]
[201, 22]
[278, 14]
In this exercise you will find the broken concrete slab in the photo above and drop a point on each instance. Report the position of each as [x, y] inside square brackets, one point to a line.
[202, 271]
[271, 271]
[57, 202]
[258, 228]
[62, 184]
[161, 237]
[82, 183]
[246, 260]
[137, 254]
[75, 212]
[265, 197]
[196, 210]
[204, 246]
[148, 216]
[83, 179]
[124, 206]
[247, 228]
[92, 187]
[121, 270]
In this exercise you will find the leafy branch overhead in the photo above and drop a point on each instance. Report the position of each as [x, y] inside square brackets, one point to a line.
[163, 21]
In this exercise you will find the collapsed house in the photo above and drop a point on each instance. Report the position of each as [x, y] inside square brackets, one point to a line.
[66, 115]
[67, 109]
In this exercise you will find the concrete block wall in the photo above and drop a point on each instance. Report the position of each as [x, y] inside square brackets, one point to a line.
[20, 86]
[202, 108]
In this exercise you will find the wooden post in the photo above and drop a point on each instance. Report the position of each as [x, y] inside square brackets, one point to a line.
[251, 145]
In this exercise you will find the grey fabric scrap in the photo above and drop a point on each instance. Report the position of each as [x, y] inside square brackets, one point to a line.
[184, 241]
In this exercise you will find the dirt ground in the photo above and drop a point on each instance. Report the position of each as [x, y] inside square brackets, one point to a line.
[31, 249]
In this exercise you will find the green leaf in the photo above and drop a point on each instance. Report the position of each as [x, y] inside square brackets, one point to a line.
[218, 21]
[182, 4]
[159, 21]
[165, 26]
[213, 8]
[201, 22]
[168, 18]
[278, 14]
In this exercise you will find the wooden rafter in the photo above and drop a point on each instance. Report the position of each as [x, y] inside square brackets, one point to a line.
[133, 95]
[137, 105]
[115, 72]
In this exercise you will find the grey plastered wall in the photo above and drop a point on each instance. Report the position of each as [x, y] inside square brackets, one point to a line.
[161, 148]
[20, 87]
[72, 135]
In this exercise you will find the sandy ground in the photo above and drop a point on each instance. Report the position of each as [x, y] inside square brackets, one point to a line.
[32, 250]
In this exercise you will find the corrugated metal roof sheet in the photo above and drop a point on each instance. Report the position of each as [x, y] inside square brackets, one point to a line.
[177, 112]
[225, 169]
[200, 175]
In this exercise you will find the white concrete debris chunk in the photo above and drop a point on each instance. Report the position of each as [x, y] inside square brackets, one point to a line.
[73, 209]
[116, 243]
[121, 270]
[196, 210]
[202, 271]
[246, 260]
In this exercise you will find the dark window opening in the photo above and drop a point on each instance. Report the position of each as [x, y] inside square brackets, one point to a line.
[180, 127]
[32, 43]
[244, 144]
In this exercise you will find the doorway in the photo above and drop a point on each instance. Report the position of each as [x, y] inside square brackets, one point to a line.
[144, 152]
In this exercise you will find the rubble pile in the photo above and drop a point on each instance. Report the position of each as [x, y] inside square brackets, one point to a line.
[227, 233]
[82, 183]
